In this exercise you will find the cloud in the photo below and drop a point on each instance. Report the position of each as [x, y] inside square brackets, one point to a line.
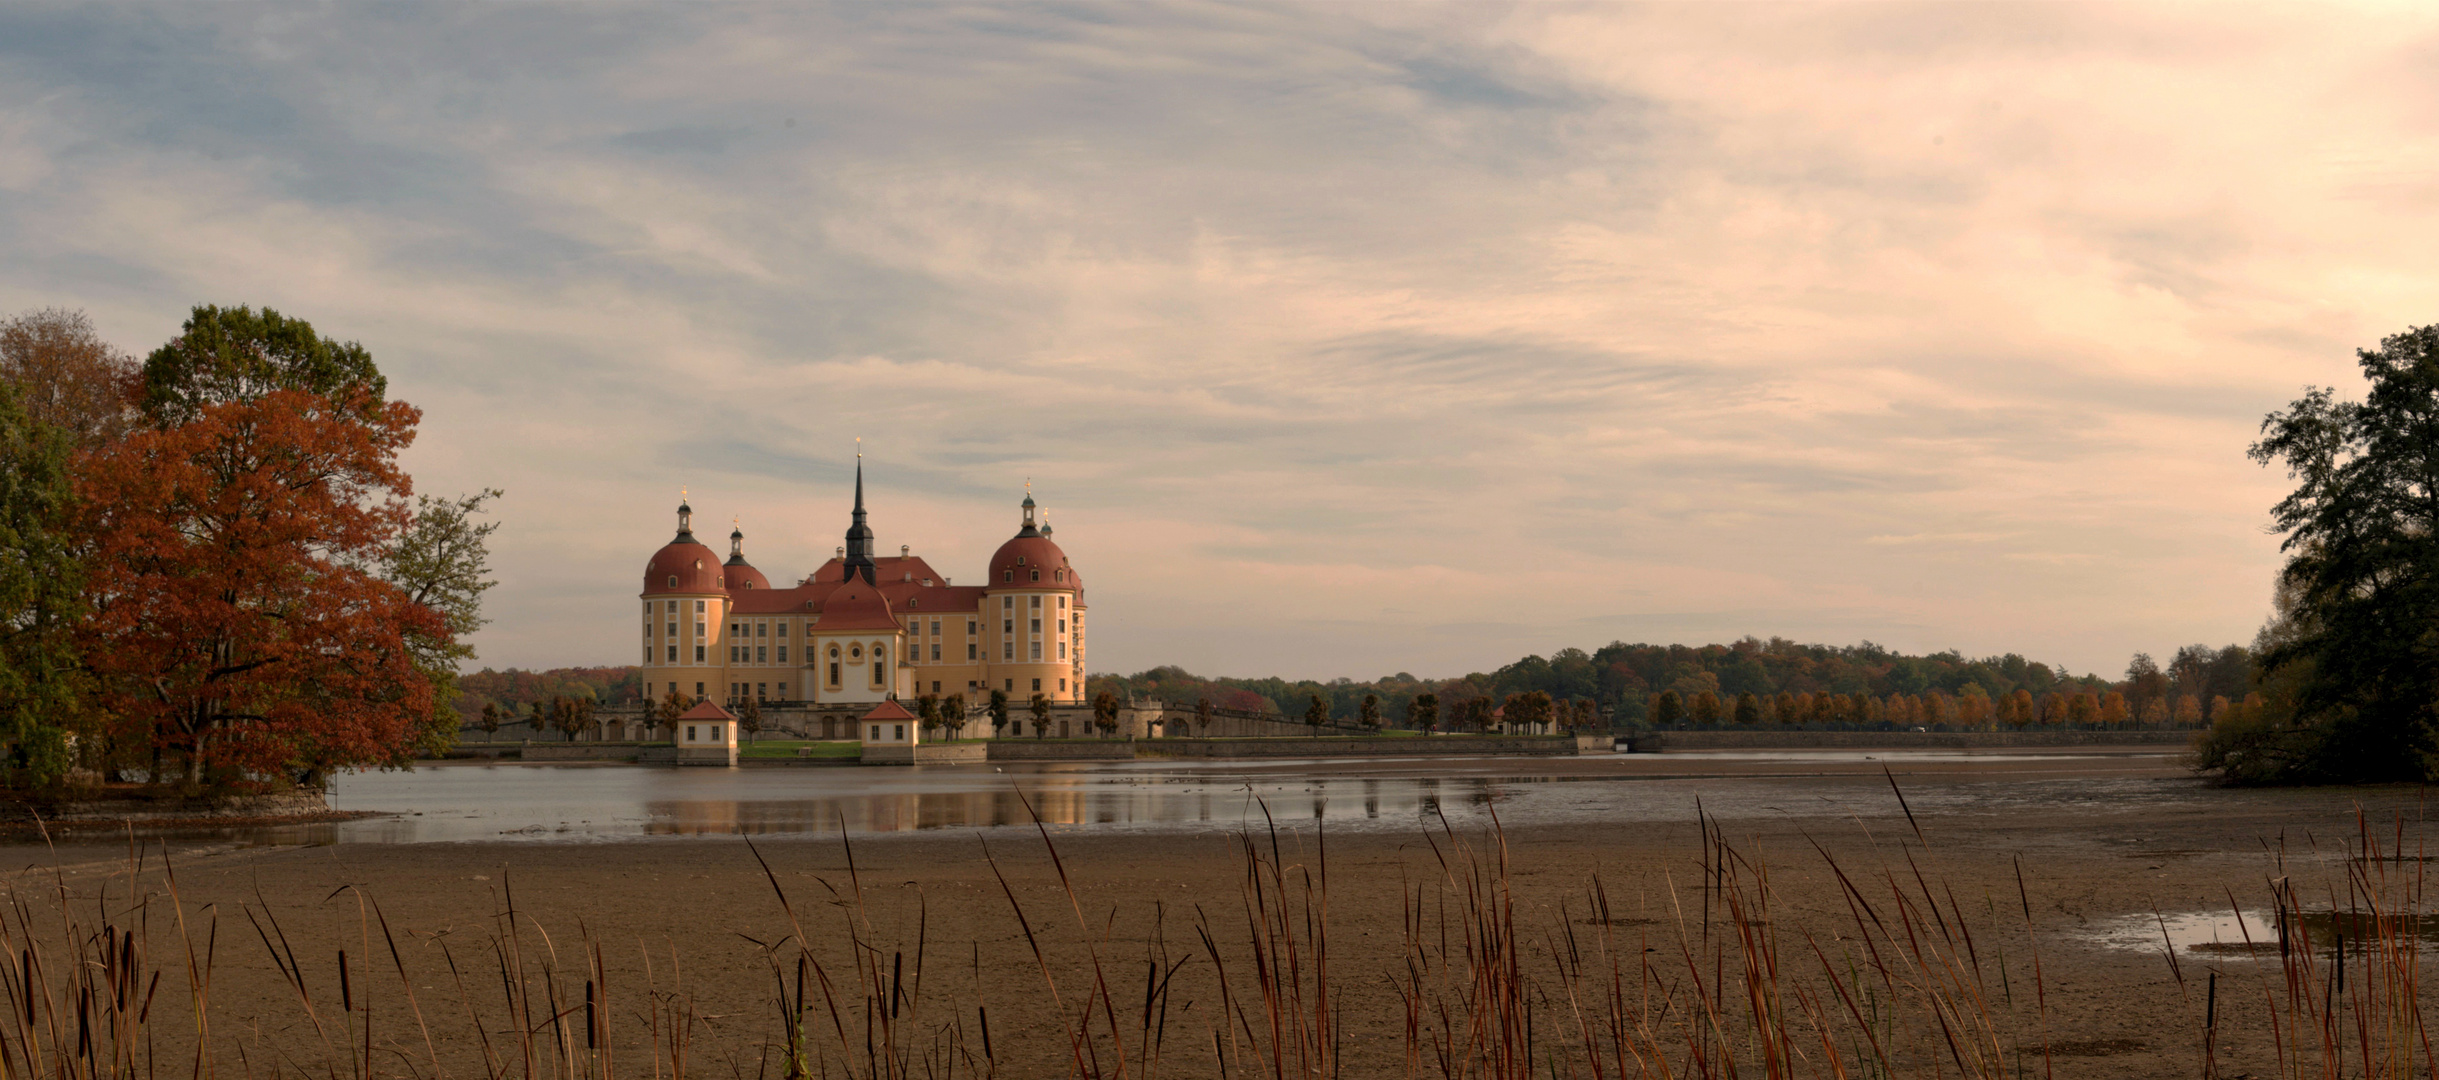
[1323, 329]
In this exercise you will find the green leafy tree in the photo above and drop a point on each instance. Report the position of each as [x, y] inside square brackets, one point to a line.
[1667, 710]
[1748, 710]
[1368, 712]
[1705, 708]
[1041, 714]
[1316, 714]
[749, 716]
[1423, 711]
[952, 714]
[1202, 715]
[441, 561]
[999, 713]
[42, 680]
[927, 710]
[490, 721]
[225, 355]
[1105, 712]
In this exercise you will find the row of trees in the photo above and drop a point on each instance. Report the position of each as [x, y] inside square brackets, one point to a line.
[1789, 683]
[212, 567]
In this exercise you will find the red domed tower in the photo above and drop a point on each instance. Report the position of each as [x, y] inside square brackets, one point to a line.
[737, 573]
[684, 598]
[1033, 608]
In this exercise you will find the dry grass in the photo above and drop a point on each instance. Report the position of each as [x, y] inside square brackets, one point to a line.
[1901, 979]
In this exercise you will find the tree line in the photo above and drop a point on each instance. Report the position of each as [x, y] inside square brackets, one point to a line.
[1748, 682]
[214, 572]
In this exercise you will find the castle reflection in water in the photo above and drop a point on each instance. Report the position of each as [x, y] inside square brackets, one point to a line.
[1401, 800]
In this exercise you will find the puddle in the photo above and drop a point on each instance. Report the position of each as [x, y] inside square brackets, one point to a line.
[2253, 934]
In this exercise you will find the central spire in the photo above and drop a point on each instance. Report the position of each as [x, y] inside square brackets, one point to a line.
[859, 535]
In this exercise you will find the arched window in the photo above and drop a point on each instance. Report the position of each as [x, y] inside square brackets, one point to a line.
[673, 581]
[1062, 575]
[1004, 575]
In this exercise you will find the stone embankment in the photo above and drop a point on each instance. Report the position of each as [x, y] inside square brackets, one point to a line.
[223, 808]
[1667, 741]
[1415, 746]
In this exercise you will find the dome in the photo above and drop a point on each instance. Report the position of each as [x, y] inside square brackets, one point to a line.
[695, 568]
[738, 574]
[1012, 566]
[855, 606]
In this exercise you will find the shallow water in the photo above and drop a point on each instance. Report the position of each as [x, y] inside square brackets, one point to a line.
[577, 803]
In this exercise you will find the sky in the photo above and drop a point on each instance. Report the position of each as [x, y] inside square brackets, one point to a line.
[1337, 340]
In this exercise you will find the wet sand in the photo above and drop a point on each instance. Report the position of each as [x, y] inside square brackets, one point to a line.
[2102, 842]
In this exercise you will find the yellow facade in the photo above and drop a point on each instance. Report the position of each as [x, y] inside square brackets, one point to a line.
[862, 629]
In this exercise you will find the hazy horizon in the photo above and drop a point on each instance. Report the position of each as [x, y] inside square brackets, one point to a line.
[1338, 341]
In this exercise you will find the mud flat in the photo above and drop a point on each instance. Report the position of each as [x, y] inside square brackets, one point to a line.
[2105, 864]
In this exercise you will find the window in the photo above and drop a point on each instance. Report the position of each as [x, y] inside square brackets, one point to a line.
[783, 651]
[833, 673]
[1062, 686]
[1060, 575]
[1062, 648]
[762, 654]
[1062, 626]
[876, 732]
[1007, 650]
[880, 670]
[1037, 626]
[935, 651]
[698, 630]
[698, 607]
[1062, 603]
[1007, 627]
[673, 583]
[698, 654]
[732, 654]
[672, 629]
[1037, 575]
[1011, 684]
[935, 628]
[972, 650]
[855, 651]
[1036, 602]
[1004, 575]
[1037, 686]
[1020, 560]
[760, 691]
[914, 652]
[1037, 649]
[898, 732]
[970, 627]
[673, 658]
[647, 631]
[762, 629]
[647, 654]
[935, 686]
[672, 611]
[783, 629]
[698, 691]
[690, 733]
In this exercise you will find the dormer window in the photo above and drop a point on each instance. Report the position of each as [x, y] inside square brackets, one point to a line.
[1004, 575]
[673, 581]
[1020, 561]
[1062, 575]
[1037, 575]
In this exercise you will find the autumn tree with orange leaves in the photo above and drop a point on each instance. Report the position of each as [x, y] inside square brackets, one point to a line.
[238, 617]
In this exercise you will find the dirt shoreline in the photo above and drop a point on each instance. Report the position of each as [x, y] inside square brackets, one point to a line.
[936, 901]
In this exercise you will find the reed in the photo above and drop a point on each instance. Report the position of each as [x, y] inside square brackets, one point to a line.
[1883, 973]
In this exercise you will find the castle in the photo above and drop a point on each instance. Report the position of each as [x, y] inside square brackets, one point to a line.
[863, 628]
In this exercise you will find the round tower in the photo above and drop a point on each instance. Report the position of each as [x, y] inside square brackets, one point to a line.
[685, 596]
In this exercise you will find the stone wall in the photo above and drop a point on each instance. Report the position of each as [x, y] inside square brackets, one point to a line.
[1061, 750]
[1310, 747]
[580, 751]
[927, 754]
[1665, 741]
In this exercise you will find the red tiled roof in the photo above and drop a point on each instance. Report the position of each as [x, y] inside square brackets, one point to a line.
[696, 568]
[856, 606]
[740, 577]
[1013, 564]
[705, 710]
[889, 710]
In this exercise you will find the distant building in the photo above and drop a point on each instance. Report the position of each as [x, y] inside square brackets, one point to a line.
[863, 628]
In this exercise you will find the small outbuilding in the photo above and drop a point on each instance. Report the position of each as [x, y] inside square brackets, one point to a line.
[707, 735]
